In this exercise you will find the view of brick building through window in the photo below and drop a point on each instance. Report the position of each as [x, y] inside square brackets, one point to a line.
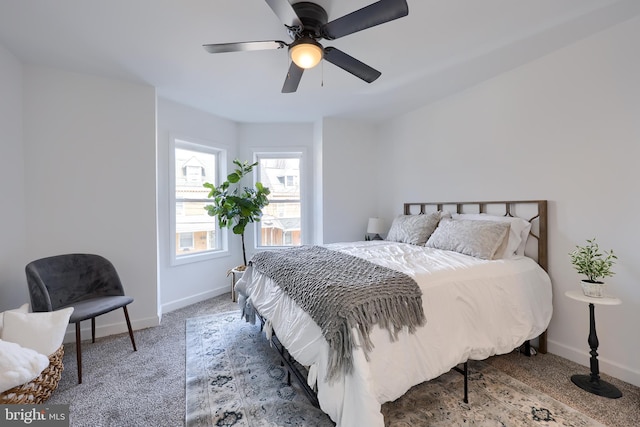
[281, 218]
[195, 229]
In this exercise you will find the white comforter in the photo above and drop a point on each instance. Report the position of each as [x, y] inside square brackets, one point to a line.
[474, 309]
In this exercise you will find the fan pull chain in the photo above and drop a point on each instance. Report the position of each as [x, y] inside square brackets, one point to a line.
[321, 73]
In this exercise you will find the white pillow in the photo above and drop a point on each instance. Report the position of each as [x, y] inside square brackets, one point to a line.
[480, 239]
[24, 308]
[42, 332]
[19, 365]
[414, 229]
[518, 234]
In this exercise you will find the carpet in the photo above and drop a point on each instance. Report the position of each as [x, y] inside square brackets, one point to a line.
[234, 378]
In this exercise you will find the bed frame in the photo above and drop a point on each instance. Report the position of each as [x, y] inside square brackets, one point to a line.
[534, 211]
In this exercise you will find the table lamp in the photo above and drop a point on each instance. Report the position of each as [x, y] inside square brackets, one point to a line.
[375, 226]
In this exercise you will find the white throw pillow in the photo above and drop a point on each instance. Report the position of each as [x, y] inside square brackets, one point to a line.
[480, 239]
[518, 234]
[24, 308]
[19, 365]
[42, 332]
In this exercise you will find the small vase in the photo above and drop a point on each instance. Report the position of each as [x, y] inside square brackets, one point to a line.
[593, 289]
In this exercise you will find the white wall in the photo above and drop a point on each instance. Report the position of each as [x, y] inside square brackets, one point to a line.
[564, 128]
[181, 285]
[349, 179]
[318, 193]
[13, 290]
[90, 179]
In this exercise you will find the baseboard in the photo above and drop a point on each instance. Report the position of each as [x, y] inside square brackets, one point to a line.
[192, 299]
[121, 327]
[109, 329]
[608, 367]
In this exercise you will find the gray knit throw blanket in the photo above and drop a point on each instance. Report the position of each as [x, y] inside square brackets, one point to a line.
[341, 292]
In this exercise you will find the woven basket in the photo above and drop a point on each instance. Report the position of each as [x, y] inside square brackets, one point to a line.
[38, 390]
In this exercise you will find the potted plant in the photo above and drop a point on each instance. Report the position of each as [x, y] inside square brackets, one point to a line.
[595, 265]
[237, 206]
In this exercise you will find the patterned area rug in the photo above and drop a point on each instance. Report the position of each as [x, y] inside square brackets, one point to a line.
[234, 378]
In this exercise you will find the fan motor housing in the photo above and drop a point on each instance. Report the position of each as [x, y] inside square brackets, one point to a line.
[313, 18]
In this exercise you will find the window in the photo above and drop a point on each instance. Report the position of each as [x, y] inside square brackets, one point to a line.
[186, 241]
[193, 231]
[281, 223]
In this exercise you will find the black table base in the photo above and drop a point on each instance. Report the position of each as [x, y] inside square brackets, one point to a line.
[592, 383]
[599, 387]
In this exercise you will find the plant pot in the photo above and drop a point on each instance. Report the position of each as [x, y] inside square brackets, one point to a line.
[593, 289]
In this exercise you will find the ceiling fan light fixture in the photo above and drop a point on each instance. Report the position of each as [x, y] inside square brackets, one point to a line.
[306, 53]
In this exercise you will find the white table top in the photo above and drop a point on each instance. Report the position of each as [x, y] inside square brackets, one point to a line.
[579, 296]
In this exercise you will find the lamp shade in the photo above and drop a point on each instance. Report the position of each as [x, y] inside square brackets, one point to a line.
[375, 226]
[306, 53]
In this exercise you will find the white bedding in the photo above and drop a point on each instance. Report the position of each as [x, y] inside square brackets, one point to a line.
[474, 309]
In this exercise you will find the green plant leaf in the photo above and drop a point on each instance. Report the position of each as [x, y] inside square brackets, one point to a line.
[235, 207]
[589, 261]
[234, 177]
[238, 229]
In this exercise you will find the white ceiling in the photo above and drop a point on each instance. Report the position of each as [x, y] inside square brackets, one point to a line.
[441, 47]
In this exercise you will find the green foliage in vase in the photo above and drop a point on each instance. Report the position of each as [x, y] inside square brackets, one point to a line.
[237, 206]
[591, 262]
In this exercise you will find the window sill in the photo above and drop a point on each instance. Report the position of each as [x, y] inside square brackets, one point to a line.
[198, 257]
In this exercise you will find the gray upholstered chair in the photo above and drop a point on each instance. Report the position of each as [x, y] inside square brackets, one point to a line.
[88, 283]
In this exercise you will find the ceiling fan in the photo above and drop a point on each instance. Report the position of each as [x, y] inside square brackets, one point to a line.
[307, 23]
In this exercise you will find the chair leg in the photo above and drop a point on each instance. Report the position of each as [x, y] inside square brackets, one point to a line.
[78, 353]
[93, 330]
[126, 316]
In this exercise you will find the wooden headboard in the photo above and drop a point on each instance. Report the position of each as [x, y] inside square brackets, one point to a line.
[534, 211]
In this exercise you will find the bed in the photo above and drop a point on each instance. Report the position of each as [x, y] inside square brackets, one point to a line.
[477, 301]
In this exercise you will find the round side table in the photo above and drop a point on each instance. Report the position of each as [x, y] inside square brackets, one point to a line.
[592, 383]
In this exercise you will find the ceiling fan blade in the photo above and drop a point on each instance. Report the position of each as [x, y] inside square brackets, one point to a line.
[351, 64]
[284, 11]
[369, 16]
[293, 78]
[244, 46]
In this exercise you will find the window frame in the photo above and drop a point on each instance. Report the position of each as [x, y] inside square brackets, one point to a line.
[179, 142]
[299, 153]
